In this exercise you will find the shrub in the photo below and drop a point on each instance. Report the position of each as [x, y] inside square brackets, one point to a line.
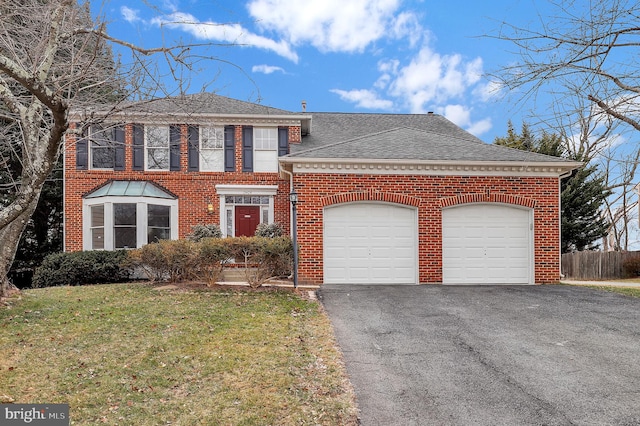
[631, 267]
[212, 255]
[271, 230]
[172, 260]
[199, 232]
[277, 256]
[263, 258]
[83, 267]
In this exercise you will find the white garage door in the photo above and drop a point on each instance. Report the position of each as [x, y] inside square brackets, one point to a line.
[370, 243]
[487, 244]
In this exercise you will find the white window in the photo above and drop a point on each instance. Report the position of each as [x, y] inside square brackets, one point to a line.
[212, 149]
[265, 149]
[157, 147]
[111, 223]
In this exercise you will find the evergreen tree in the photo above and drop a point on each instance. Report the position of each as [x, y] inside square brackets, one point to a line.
[582, 194]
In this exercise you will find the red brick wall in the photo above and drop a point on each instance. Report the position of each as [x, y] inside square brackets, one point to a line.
[430, 194]
[194, 189]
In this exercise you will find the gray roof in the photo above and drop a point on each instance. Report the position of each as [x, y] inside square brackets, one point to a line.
[204, 103]
[428, 137]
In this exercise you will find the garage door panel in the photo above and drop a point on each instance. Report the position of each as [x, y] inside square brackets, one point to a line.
[379, 240]
[486, 244]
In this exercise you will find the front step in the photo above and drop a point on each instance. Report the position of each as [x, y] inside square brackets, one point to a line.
[234, 275]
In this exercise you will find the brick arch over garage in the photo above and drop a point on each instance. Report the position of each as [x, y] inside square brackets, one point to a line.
[488, 197]
[387, 197]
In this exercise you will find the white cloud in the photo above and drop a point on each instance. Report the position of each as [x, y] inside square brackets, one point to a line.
[363, 99]
[488, 91]
[267, 69]
[479, 128]
[228, 33]
[130, 15]
[434, 78]
[461, 115]
[334, 25]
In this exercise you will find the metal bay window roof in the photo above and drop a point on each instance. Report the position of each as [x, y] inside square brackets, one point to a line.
[131, 188]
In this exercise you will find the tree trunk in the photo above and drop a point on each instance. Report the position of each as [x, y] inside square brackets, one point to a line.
[10, 236]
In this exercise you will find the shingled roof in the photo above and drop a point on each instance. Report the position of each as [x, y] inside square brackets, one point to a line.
[204, 103]
[400, 137]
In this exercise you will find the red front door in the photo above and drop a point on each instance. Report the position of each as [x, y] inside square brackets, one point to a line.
[247, 220]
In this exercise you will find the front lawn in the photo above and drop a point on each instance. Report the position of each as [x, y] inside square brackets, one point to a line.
[627, 291]
[135, 355]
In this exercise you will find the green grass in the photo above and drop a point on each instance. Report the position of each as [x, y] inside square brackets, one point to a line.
[134, 355]
[627, 291]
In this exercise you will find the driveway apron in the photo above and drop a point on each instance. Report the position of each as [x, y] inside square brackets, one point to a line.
[489, 355]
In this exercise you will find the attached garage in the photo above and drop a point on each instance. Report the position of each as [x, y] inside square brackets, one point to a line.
[370, 243]
[487, 244]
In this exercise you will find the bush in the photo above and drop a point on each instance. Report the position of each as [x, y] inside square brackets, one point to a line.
[83, 267]
[212, 255]
[172, 260]
[271, 230]
[263, 258]
[183, 260]
[199, 232]
[631, 267]
[277, 256]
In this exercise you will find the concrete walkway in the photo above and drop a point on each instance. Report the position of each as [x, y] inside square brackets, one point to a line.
[603, 283]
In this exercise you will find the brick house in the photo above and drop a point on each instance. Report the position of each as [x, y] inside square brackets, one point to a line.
[383, 198]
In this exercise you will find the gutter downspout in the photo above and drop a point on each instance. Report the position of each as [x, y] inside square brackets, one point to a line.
[562, 176]
[292, 230]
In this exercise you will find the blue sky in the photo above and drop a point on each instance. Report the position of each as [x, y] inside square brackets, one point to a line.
[395, 56]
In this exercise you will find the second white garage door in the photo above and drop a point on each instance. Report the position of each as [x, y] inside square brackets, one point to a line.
[487, 244]
[370, 243]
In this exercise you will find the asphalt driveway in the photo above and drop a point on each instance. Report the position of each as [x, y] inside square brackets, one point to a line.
[525, 355]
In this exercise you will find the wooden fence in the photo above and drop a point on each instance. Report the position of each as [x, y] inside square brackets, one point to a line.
[596, 265]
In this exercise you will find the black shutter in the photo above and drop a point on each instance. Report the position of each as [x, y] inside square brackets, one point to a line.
[247, 149]
[193, 149]
[138, 147]
[229, 149]
[174, 148]
[283, 142]
[82, 152]
[118, 137]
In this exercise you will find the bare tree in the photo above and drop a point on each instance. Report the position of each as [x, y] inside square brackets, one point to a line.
[54, 58]
[583, 62]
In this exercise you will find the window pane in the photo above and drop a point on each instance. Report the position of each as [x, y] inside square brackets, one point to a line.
[97, 239]
[125, 237]
[211, 138]
[158, 136]
[103, 158]
[158, 216]
[124, 214]
[158, 158]
[265, 138]
[212, 160]
[229, 222]
[265, 161]
[157, 234]
[102, 147]
[97, 215]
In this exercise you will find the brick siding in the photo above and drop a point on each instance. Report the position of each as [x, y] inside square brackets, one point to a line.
[430, 194]
[195, 190]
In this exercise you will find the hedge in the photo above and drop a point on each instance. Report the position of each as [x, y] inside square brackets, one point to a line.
[83, 267]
